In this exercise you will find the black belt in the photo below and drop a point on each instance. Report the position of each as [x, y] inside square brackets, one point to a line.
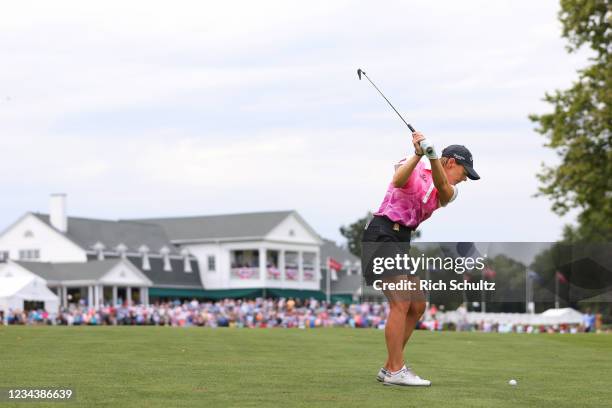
[396, 226]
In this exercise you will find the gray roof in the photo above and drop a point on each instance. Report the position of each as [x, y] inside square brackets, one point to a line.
[333, 250]
[92, 270]
[211, 227]
[346, 284]
[86, 232]
[177, 278]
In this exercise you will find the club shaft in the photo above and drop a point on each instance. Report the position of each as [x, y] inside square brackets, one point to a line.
[390, 104]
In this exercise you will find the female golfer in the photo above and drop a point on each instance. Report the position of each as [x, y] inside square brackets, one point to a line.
[413, 195]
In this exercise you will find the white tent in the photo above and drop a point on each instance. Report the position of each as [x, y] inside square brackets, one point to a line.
[18, 285]
[548, 318]
[566, 315]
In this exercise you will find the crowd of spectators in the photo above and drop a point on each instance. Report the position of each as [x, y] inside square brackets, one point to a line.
[261, 313]
[238, 313]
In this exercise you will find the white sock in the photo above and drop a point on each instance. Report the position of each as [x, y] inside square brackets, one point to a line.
[396, 372]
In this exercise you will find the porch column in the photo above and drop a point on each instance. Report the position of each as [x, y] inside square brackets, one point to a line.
[317, 270]
[64, 296]
[262, 266]
[114, 295]
[144, 295]
[300, 266]
[98, 294]
[128, 295]
[95, 296]
[281, 263]
[90, 296]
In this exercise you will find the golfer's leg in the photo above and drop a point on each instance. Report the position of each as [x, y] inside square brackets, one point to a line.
[394, 334]
[417, 308]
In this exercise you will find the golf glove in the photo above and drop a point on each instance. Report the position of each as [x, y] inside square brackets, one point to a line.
[429, 149]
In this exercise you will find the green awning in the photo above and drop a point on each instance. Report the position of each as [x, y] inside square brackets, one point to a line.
[295, 293]
[249, 293]
[346, 299]
[204, 294]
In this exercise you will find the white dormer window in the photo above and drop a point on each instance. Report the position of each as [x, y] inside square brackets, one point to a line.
[144, 252]
[165, 252]
[186, 260]
[347, 267]
[357, 266]
[211, 263]
[28, 234]
[29, 254]
[121, 250]
[99, 248]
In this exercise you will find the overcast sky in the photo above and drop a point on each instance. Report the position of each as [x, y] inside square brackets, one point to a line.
[144, 109]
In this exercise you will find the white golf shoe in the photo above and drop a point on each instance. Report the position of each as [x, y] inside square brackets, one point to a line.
[382, 373]
[405, 377]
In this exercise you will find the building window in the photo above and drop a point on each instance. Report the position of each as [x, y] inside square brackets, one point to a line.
[211, 261]
[99, 247]
[309, 261]
[29, 254]
[165, 252]
[244, 264]
[292, 267]
[28, 234]
[122, 250]
[4, 256]
[144, 253]
[272, 265]
[186, 260]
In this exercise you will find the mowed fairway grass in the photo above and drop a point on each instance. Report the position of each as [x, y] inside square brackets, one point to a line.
[174, 367]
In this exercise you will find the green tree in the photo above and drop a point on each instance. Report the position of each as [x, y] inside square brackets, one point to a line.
[578, 129]
[353, 233]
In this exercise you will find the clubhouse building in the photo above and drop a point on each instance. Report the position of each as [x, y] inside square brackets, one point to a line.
[96, 262]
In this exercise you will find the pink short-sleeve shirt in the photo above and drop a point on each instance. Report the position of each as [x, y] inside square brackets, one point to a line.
[414, 202]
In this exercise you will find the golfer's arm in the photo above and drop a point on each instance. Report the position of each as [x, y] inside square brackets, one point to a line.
[445, 190]
[403, 172]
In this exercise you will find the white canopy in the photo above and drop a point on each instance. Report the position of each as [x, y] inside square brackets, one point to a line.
[566, 315]
[549, 317]
[17, 286]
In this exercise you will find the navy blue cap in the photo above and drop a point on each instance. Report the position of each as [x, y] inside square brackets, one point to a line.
[462, 156]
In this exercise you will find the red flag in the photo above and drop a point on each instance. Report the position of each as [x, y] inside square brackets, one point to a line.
[561, 277]
[333, 264]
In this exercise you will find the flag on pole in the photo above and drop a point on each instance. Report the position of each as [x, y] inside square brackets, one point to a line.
[534, 276]
[333, 264]
[560, 277]
[333, 267]
[489, 272]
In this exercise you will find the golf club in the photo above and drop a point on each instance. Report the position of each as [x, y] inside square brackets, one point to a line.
[424, 144]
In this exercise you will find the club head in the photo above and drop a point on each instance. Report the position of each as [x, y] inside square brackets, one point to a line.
[359, 72]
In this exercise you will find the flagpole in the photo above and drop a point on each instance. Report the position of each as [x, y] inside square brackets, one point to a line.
[428, 292]
[483, 295]
[328, 282]
[556, 291]
[526, 290]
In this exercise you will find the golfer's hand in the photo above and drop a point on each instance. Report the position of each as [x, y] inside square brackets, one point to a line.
[416, 141]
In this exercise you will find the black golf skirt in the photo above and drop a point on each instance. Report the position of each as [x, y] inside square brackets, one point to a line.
[383, 238]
